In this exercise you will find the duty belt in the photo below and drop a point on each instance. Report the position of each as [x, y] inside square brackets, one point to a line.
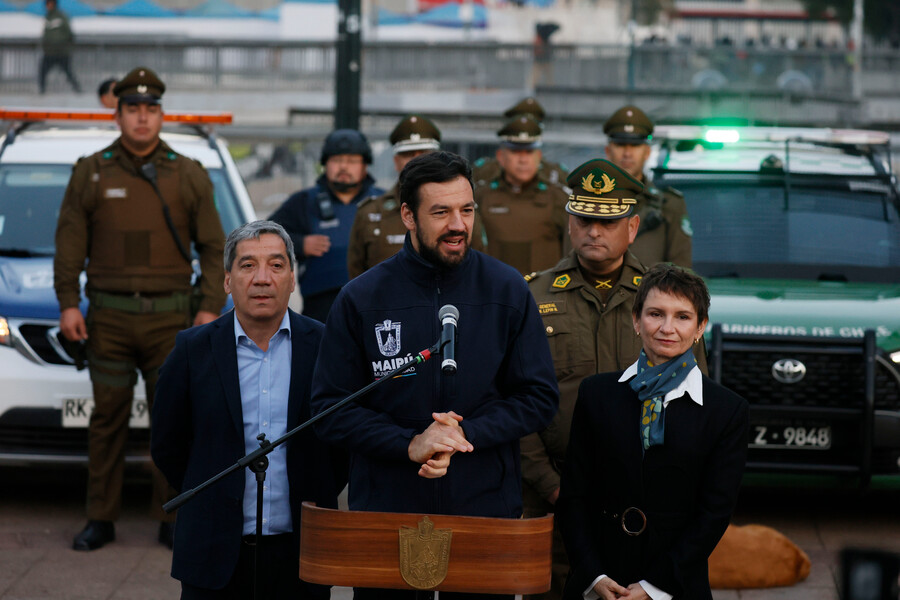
[632, 520]
[138, 303]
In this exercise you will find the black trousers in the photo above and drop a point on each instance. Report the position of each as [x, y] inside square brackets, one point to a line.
[61, 61]
[279, 566]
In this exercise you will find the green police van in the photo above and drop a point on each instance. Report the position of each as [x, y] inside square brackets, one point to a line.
[797, 233]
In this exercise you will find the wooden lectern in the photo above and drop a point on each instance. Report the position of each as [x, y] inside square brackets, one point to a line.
[426, 552]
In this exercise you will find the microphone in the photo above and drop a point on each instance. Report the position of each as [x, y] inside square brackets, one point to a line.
[448, 316]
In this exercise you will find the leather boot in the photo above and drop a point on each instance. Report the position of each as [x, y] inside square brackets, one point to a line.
[94, 535]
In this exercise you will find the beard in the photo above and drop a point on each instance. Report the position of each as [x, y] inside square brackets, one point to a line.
[343, 186]
[432, 255]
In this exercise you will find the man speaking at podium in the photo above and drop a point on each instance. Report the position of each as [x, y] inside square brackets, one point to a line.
[430, 441]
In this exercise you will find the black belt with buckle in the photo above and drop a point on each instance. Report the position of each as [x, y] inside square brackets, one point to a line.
[632, 520]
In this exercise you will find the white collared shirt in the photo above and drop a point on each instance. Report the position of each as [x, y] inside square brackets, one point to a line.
[693, 387]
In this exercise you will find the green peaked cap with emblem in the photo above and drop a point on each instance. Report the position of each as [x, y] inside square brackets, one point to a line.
[602, 190]
[415, 132]
[140, 86]
[629, 125]
[526, 106]
[521, 133]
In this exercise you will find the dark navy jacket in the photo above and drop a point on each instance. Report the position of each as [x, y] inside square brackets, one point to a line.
[198, 430]
[505, 386]
[301, 215]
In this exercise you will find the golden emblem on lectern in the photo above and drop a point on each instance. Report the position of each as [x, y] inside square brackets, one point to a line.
[424, 554]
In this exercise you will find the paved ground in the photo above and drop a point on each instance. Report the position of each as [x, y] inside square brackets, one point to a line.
[41, 512]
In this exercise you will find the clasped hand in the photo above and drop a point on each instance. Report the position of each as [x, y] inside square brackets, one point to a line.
[608, 589]
[433, 447]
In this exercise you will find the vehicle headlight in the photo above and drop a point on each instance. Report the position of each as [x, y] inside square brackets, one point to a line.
[4, 331]
[895, 356]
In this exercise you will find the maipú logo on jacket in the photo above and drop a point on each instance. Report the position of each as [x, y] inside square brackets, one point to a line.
[387, 333]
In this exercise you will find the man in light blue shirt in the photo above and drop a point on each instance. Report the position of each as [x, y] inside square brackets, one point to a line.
[225, 383]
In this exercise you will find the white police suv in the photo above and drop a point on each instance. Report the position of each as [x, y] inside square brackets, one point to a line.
[44, 401]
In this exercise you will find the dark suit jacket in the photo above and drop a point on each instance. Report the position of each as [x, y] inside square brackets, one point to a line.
[686, 487]
[198, 431]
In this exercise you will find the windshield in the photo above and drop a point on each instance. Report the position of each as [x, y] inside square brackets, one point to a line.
[30, 197]
[746, 229]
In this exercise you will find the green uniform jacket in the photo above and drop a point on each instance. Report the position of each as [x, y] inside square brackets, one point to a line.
[665, 231]
[485, 170]
[57, 37]
[585, 338]
[526, 227]
[378, 232]
[106, 188]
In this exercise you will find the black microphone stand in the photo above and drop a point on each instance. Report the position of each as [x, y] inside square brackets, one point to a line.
[257, 461]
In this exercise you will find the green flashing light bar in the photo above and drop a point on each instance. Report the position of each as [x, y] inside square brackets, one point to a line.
[730, 135]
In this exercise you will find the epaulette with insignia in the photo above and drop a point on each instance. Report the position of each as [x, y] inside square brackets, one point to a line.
[531, 276]
[365, 201]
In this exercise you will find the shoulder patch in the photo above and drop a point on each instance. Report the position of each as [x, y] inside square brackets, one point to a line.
[636, 280]
[686, 226]
[531, 276]
[562, 281]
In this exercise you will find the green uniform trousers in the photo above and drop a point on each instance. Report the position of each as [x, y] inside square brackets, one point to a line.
[120, 343]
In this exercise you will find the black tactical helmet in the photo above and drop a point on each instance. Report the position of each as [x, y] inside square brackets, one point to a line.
[346, 141]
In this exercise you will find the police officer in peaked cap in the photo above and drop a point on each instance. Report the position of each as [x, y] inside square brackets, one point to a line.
[523, 213]
[665, 233]
[378, 232]
[486, 169]
[585, 301]
[138, 281]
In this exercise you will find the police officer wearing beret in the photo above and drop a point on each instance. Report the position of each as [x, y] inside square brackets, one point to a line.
[523, 214]
[585, 301]
[486, 169]
[378, 231]
[319, 218]
[665, 232]
[138, 281]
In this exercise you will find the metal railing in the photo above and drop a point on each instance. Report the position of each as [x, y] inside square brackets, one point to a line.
[247, 65]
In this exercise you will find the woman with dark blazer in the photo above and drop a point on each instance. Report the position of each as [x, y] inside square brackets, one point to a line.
[655, 458]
